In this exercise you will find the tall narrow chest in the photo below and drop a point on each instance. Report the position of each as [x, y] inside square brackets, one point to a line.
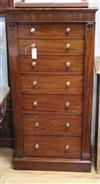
[51, 53]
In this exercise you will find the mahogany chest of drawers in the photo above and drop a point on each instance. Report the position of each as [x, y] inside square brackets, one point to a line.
[51, 53]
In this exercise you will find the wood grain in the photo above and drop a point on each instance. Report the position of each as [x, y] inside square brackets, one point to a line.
[15, 84]
[88, 90]
[52, 84]
[51, 75]
[51, 30]
[52, 64]
[52, 125]
[52, 146]
[51, 104]
[5, 4]
[53, 46]
[56, 15]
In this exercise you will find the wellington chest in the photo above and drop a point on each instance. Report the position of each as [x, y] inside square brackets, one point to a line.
[51, 51]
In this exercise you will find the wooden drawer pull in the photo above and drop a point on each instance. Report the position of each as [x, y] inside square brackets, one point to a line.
[68, 29]
[32, 30]
[36, 124]
[36, 146]
[66, 147]
[68, 45]
[67, 104]
[67, 64]
[68, 83]
[67, 125]
[35, 103]
[33, 64]
[34, 83]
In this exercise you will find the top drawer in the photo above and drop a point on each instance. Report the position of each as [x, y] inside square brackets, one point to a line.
[53, 30]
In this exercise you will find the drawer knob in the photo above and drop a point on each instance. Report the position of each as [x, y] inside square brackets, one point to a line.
[67, 64]
[36, 146]
[35, 103]
[67, 125]
[68, 45]
[66, 147]
[34, 83]
[67, 104]
[33, 64]
[68, 83]
[68, 29]
[36, 124]
[33, 45]
[32, 30]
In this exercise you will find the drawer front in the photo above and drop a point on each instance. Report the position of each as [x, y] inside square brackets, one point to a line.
[65, 64]
[51, 104]
[43, 30]
[52, 84]
[52, 46]
[45, 146]
[52, 125]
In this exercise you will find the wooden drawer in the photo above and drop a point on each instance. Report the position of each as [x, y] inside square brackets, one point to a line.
[52, 46]
[52, 84]
[51, 104]
[45, 30]
[65, 64]
[46, 146]
[52, 125]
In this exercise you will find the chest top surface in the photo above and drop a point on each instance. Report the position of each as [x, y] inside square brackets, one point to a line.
[52, 3]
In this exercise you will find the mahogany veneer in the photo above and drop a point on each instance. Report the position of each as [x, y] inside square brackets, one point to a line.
[51, 94]
[52, 64]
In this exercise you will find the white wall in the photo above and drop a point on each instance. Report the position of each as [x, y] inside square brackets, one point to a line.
[3, 55]
[95, 3]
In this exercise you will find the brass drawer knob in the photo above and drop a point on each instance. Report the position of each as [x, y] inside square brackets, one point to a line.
[67, 147]
[68, 83]
[68, 29]
[33, 64]
[68, 45]
[32, 30]
[34, 83]
[67, 125]
[33, 45]
[36, 146]
[67, 64]
[35, 103]
[67, 104]
[36, 124]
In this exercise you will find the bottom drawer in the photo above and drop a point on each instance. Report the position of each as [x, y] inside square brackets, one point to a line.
[46, 146]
